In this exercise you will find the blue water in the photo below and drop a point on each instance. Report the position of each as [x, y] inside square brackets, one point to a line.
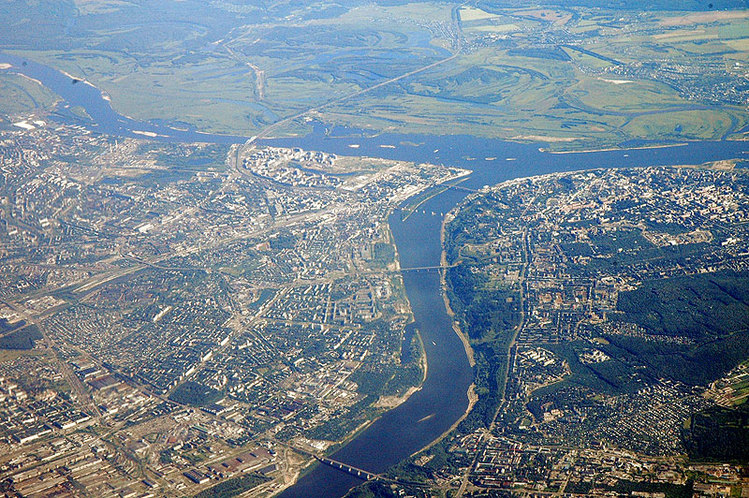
[103, 118]
[442, 399]
[399, 432]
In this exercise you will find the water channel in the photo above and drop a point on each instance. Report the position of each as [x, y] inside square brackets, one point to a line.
[443, 397]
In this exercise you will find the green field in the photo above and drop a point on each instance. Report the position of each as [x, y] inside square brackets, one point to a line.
[230, 68]
[22, 338]
[719, 434]
[233, 487]
[22, 95]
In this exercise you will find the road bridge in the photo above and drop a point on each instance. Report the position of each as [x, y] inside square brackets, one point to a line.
[427, 268]
[349, 469]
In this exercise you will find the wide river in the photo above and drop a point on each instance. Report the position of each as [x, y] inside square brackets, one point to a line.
[443, 398]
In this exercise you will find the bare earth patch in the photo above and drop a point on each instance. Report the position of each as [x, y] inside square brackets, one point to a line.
[704, 17]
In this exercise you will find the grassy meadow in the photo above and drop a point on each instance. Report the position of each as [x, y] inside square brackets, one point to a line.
[574, 77]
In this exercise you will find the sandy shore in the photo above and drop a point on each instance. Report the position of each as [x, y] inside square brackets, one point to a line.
[450, 312]
[610, 149]
[471, 393]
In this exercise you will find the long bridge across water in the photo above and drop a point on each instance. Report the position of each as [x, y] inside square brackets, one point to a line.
[350, 469]
[354, 471]
[420, 268]
[363, 474]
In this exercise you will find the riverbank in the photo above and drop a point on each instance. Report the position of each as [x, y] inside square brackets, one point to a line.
[443, 285]
[417, 200]
[471, 393]
[610, 149]
[435, 409]
[472, 400]
[391, 402]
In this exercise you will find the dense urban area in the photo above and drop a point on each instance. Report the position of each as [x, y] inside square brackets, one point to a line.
[602, 308]
[193, 312]
[187, 310]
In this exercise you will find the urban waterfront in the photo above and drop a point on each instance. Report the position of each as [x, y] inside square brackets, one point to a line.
[442, 399]
[400, 433]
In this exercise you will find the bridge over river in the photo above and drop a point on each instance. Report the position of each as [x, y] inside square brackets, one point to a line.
[442, 399]
[352, 470]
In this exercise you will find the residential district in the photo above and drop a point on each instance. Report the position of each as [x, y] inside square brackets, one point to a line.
[176, 317]
[607, 314]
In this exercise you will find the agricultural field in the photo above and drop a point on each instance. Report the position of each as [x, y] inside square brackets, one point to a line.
[21, 95]
[574, 77]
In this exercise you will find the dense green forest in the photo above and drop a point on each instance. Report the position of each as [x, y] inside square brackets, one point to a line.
[709, 313]
[192, 393]
[233, 487]
[697, 306]
[719, 434]
[21, 338]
